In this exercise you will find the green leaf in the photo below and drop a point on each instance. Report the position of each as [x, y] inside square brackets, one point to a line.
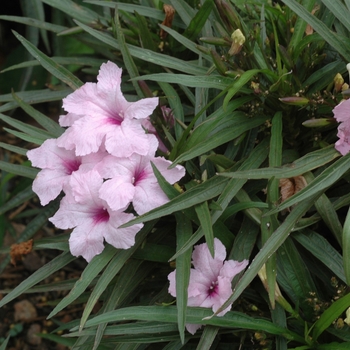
[207, 338]
[194, 315]
[300, 26]
[17, 200]
[20, 170]
[198, 21]
[73, 9]
[26, 137]
[55, 69]
[257, 156]
[32, 131]
[113, 267]
[95, 266]
[195, 195]
[47, 123]
[329, 315]
[14, 149]
[316, 187]
[339, 10]
[34, 23]
[235, 126]
[272, 244]
[241, 81]
[182, 274]
[147, 55]
[32, 97]
[302, 165]
[319, 247]
[203, 81]
[204, 218]
[38, 276]
[340, 44]
[128, 61]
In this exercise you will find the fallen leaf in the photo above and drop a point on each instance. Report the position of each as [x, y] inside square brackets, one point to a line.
[20, 249]
[168, 21]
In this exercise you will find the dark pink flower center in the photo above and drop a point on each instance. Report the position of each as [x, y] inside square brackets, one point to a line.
[115, 119]
[213, 288]
[100, 215]
[72, 165]
[139, 175]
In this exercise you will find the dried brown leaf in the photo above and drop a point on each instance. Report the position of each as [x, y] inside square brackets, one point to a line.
[20, 249]
[168, 21]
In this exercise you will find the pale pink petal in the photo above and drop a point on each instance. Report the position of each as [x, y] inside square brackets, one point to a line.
[148, 197]
[141, 109]
[109, 78]
[342, 111]
[128, 138]
[86, 135]
[343, 144]
[172, 283]
[122, 238]
[69, 119]
[86, 240]
[223, 292]
[50, 155]
[117, 192]
[231, 268]
[193, 328]
[198, 286]
[48, 184]
[204, 262]
[171, 175]
[85, 187]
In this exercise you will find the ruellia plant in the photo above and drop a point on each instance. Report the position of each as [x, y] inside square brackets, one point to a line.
[196, 174]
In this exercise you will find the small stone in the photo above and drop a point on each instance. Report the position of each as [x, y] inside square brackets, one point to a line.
[32, 337]
[24, 311]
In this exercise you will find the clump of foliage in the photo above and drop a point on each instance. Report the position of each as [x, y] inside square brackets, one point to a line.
[254, 130]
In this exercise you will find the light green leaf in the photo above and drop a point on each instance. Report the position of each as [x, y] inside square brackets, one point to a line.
[20, 170]
[182, 275]
[147, 55]
[38, 276]
[341, 44]
[34, 23]
[95, 266]
[55, 69]
[329, 315]
[319, 247]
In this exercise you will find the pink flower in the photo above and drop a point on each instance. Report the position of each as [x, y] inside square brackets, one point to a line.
[99, 114]
[132, 180]
[210, 279]
[57, 165]
[92, 219]
[342, 115]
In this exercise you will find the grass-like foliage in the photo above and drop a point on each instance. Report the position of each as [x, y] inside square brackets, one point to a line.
[251, 86]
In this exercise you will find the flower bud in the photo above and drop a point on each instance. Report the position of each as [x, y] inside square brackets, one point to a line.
[238, 39]
[338, 82]
[317, 123]
[227, 13]
[294, 100]
[215, 41]
[345, 87]
[220, 65]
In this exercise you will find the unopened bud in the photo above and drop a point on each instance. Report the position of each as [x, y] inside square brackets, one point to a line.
[338, 82]
[220, 65]
[317, 123]
[215, 41]
[295, 100]
[238, 39]
[347, 319]
[345, 87]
